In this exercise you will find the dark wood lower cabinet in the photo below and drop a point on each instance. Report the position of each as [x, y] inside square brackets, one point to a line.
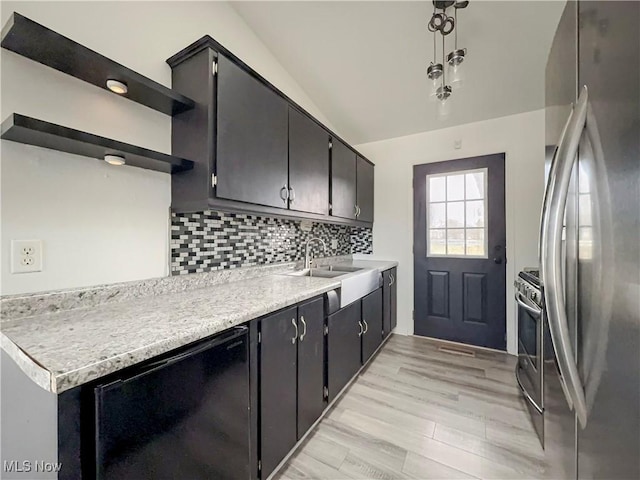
[310, 364]
[372, 323]
[386, 303]
[273, 402]
[389, 301]
[278, 396]
[343, 347]
[394, 297]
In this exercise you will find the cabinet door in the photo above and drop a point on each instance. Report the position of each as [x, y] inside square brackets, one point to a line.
[251, 152]
[278, 377]
[386, 303]
[343, 181]
[372, 321]
[394, 298]
[365, 190]
[310, 364]
[308, 165]
[343, 347]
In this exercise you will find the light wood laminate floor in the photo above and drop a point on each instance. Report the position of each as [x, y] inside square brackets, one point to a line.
[419, 413]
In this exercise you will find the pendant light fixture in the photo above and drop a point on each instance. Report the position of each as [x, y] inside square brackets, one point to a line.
[444, 24]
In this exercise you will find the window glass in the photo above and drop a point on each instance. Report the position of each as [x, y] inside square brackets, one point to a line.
[456, 214]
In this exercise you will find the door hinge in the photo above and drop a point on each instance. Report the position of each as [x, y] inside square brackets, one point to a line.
[330, 144]
[259, 465]
[259, 337]
[325, 392]
[413, 314]
[214, 180]
[214, 67]
[326, 329]
[330, 208]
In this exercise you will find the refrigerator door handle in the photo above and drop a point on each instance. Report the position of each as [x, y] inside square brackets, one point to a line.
[555, 200]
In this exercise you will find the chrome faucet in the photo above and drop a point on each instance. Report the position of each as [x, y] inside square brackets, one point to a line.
[307, 257]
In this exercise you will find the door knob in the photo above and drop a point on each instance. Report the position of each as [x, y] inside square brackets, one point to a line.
[497, 260]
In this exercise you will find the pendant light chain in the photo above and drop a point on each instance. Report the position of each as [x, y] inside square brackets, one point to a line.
[455, 26]
[444, 74]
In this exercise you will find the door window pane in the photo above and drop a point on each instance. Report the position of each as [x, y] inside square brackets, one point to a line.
[455, 214]
[437, 242]
[457, 210]
[437, 215]
[437, 191]
[474, 185]
[455, 241]
[475, 242]
[455, 187]
[475, 214]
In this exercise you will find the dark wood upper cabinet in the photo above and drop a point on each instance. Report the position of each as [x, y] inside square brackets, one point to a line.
[364, 190]
[308, 165]
[251, 156]
[310, 364]
[372, 321]
[255, 150]
[278, 396]
[343, 181]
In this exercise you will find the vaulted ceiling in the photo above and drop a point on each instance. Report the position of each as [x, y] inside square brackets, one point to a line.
[364, 63]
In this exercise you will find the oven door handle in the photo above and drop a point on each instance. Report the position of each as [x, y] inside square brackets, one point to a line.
[528, 397]
[528, 308]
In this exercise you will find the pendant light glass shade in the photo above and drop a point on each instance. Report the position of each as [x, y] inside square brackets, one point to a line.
[454, 69]
[444, 103]
[434, 73]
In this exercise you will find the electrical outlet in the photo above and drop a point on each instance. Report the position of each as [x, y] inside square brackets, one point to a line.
[26, 256]
[334, 243]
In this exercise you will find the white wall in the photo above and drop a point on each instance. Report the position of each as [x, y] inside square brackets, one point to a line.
[98, 223]
[520, 136]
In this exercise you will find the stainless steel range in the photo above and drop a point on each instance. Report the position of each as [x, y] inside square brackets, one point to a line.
[529, 371]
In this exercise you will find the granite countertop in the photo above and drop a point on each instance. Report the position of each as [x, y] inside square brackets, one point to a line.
[68, 348]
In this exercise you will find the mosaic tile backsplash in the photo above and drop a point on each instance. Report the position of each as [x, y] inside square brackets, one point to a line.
[210, 240]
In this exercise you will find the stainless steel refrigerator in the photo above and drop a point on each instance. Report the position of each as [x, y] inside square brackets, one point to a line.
[590, 243]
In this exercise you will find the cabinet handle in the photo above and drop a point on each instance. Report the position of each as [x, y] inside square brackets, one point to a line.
[304, 328]
[392, 278]
[356, 210]
[284, 193]
[359, 211]
[295, 325]
[292, 194]
[361, 328]
[366, 326]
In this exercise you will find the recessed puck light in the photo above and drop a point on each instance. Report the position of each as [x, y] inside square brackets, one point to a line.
[114, 160]
[117, 87]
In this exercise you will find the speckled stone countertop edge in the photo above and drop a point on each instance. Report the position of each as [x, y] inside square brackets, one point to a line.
[22, 306]
[40, 375]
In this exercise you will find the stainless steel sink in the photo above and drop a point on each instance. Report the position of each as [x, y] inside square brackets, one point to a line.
[317, 272]
[339, 268]
[355, 283]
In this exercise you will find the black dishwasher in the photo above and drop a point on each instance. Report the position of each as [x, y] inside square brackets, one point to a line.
[182, 416]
